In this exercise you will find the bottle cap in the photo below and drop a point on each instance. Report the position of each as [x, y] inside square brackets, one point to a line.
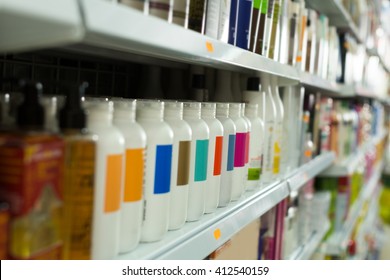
[72, 115]
[253, 84]
[30, 112]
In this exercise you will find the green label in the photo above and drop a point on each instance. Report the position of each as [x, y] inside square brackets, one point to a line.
[264, 6]
[256, 4]
[254, 174]
[201, 156]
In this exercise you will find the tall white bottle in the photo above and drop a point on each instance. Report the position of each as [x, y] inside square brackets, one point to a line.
[253, 96]
[223, 89]
[269, 127]
[212, 18]
[198, 164]
[229, 140]
[236, 88]
[108, 179]
[278, 126]
[247, 143]
[181, 155]
[255, 146]
[158, 169]
[239, 175]
[133, 175]
[214, 161]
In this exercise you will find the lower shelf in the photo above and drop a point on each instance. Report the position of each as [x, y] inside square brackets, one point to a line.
[305, 251]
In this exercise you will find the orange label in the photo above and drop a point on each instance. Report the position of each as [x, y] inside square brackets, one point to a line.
[113, 183]
[217, 234]
[209, 46]
[218, 155]
[134, 175]
[308, 153]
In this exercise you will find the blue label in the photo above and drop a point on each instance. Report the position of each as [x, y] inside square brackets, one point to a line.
[230, 159]
[243, 22]
[201, 155]
[232, 21]
[162, 172]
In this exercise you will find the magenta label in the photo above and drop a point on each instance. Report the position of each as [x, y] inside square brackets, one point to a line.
[247, 141]
[239, 150]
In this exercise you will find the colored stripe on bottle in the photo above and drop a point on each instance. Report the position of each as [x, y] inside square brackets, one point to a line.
[231, 146]
[134, 175]
[254, 174]
[248, 135]
[162, 172]
[201, 154]
[239, 150]
[112, 198]
[183, 168]
[218, 155]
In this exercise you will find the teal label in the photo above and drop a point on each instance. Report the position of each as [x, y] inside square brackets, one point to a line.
[201, 155]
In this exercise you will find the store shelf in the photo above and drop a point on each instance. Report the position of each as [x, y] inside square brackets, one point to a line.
[305, 251]
[196, 240]
[349, 165]
[337, 243]
[317, 83]
[337, 14]
[29, 25]
[309, 170]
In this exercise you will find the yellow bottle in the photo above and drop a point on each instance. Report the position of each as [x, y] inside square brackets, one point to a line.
[79, 170]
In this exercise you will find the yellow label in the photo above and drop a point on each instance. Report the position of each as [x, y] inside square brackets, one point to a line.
[276, 166]
[209, 46]
[134, 175]
[308, 153]
[112, 197]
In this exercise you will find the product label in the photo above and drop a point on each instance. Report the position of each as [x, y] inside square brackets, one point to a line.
[275, 20]
[196, 15]
[134, 175]
[232, 21]
[78, 199]
[218, 155]
[239, 150]
[268, 148]
[264, 6]
[253, 26]
[261, 27]
[231, 146]
[162, 172]
[247, 142]
[201, 154]
[254, 174]
[112, 196]
[4, 223]
[243, 23]
[277, 150]
[183, 164]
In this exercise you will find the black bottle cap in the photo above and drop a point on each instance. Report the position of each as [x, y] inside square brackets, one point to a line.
[198, 81]
[30, 113]
[253, 84]
[72, 115]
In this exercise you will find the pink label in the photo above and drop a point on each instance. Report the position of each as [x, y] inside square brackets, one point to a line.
[248, 136]
[240, 150]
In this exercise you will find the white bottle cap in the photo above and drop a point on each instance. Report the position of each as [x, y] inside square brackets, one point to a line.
[209, 109]
[124, 109]
[222, 109]
[251, 110]
[192, 109]
[235, 109]
[173, 110]
[150, 109]
[98, 109]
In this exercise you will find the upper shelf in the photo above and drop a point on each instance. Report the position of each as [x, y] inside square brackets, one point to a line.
[28, 25]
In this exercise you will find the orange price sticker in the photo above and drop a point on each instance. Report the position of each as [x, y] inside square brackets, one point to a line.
[217, 234]
[209, 46]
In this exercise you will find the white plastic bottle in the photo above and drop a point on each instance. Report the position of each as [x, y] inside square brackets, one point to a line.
[198, 164]
[158, 169]
[212, 18]
[180, 12]
[229, 140]
[255, 146]
[236, 89]
[214, 157]
[278, 129]
[108, 179]
[223, 89]
[269, 129]
[181, 155]
[133, 175]
[247, 143]
[239, 175]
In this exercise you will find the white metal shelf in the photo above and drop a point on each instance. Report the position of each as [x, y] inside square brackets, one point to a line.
[349, 165]
[338, 241]
[196, 240]
[305, 251]
[309, 170]
[30, 25]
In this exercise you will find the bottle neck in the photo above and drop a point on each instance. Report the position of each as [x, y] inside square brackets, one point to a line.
[99, 119]
[235, 112]
[191, 114]
[208, 114]
[250, 112]
[124, 116]
[222, 112]
[173, 114]
[150, 114]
